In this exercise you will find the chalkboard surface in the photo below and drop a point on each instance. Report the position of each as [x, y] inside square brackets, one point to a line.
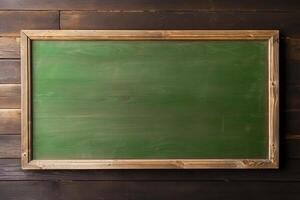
[149, 99]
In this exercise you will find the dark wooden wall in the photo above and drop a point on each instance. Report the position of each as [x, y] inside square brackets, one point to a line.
[149, 184]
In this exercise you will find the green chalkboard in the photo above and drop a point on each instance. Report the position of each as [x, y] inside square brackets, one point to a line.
[149, 99]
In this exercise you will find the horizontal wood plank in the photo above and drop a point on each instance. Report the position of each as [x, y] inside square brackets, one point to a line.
[10, 96]
[114, 190]
[9, 47]
[290, 148]
[10, 169]
[10, 146]
[291, 48]
[289, 72]
[11, 22]
[290, 99]
[287, 23]
[10, 122]
[10, 71]
[289, 123]
[215, 5]
[29, 190]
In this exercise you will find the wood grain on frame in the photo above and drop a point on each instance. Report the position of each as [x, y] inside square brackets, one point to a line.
[270, 36]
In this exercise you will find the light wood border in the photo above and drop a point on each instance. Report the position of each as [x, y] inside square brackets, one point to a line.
[271, 36]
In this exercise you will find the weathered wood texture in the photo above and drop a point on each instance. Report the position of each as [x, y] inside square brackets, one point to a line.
[10, 71]
[11, 22]
[154, 184]
[290, 171]
[148, 190]
[10, 96]
[9, 47]
[286, 22]
[10, 146]
[290, 123]
[10, 122]
[150, 5]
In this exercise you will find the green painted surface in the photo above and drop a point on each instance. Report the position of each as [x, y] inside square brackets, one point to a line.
[149, 99]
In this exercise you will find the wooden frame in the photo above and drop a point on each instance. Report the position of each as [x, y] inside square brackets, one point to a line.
[272, 36]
